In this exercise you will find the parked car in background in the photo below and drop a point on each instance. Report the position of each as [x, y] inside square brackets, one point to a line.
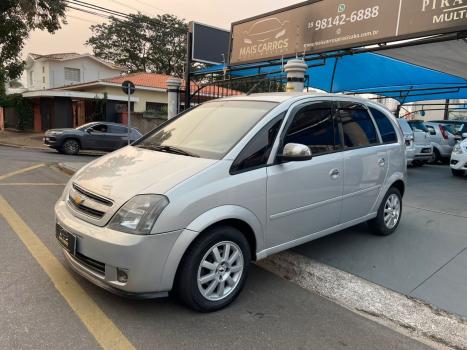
[100, 136]
[409, 140]
[192, 203]
[442, 140]
[422, 143]
[456, 127]
[459, 157]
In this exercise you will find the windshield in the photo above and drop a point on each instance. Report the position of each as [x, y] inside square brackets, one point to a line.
[418, 124]
[209, 130]
[85, 126]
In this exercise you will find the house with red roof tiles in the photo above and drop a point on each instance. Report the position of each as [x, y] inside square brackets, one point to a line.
[74, 105]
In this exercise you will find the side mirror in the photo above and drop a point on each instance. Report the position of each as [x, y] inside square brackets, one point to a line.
[295, 152]
[464, 135]
[89, 130]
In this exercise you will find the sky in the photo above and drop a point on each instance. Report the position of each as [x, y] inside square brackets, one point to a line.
[218, 13]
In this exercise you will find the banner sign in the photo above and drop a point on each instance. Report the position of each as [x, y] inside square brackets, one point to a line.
[328, 25]
[209, 44]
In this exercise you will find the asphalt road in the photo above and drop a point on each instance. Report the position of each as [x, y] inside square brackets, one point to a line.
[38, 313]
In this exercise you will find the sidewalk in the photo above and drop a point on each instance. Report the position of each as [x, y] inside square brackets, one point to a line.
[22, 139]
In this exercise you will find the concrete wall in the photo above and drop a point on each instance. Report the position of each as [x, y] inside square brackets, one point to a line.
[51, 74]
[437, 114]
[143, 95]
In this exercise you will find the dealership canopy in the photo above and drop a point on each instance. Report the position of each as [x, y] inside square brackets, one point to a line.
[408, 74]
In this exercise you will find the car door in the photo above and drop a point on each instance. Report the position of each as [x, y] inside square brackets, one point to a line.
[117, 136]
[95, 137]
[305, 197]
[365, 160]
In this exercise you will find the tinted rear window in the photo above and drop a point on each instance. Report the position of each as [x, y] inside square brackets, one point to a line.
[387, 131]
[359, 130]
[418, 124]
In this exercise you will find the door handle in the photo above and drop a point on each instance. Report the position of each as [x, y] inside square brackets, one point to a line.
[334, 174]
[381, 162]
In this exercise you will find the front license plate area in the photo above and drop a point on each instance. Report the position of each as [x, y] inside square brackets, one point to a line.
[66, 239]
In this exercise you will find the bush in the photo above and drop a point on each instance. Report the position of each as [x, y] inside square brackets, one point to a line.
[24, 110]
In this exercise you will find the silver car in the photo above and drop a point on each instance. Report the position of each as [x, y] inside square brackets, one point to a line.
[192, 203]
[442, 140]
[422, 143]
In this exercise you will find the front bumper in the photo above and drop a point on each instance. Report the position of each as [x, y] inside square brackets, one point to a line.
[142, 257]
[423, 153]
[459, 161]
[50, 141]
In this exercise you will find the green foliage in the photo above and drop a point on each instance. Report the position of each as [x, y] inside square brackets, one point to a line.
[142, 43]
[24, 110]
[100, 108]
[17, 19]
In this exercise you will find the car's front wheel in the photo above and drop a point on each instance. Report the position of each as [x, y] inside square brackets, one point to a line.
[389, 214]
[456, 172]
[214, 270]
[70, 147]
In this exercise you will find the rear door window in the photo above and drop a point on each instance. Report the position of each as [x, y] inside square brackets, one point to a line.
[117, 129]
[357, 125]
[386, 129]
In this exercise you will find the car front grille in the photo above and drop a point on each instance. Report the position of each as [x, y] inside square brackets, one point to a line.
[94, 196]
[94, 265]
[86, 210]
[88, 203]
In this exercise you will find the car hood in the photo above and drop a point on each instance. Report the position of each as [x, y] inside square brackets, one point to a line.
[130, 171]
[60, 130]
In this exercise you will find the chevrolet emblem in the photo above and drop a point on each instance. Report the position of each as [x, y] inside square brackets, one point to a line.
[78, 200]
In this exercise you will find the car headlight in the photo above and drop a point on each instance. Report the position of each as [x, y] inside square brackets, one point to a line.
[457, 149]
[56, 133]
[138, 215]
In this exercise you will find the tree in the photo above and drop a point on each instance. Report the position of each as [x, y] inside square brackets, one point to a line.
[142, 43]
[17, 19]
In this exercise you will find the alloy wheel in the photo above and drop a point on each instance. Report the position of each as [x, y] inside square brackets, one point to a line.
[392, 211]
[220, 270]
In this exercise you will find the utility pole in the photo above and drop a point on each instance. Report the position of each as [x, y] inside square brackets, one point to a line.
[446, 110]
[188, 67]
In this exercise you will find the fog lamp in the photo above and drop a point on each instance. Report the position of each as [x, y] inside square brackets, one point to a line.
[122, 275]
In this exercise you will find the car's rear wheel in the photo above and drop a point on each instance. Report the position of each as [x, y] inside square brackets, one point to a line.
[389, 214]
[456, 172]
[214, 270]
[70, 147]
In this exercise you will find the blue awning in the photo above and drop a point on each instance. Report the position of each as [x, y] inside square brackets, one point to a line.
[371, 73]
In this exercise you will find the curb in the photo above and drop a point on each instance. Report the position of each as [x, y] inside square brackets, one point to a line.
[22, 146]
[404, 314]
[66, 168]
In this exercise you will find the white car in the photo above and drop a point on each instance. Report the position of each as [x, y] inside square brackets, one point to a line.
[459, 158]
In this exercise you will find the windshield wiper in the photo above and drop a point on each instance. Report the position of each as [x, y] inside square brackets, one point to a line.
[168, 149]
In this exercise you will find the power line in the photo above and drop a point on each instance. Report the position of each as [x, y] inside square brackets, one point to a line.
[88, 11]
[97, 8]
[83, 19]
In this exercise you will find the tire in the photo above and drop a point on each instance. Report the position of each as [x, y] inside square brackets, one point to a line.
[70, 147]
[205, 297]
[438, 157]
[392, 202]
[457, 173]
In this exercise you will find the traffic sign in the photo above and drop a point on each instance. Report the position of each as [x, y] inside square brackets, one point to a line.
[128, 87]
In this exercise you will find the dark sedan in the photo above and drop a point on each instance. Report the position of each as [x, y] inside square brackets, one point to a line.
[101, 136]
